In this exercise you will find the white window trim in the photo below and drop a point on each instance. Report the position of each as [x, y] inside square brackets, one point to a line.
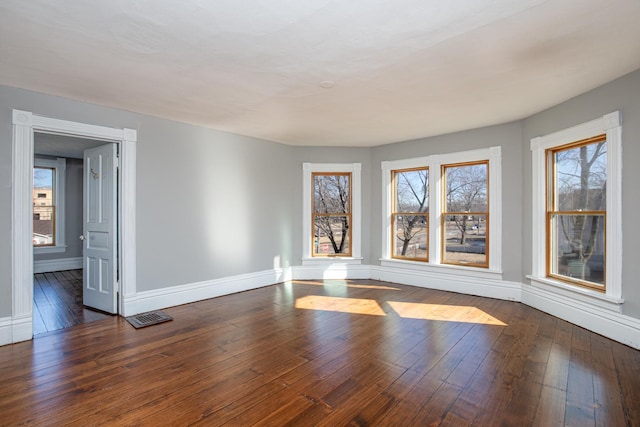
[59, 198]
[434, 163]
[356, 222]
[609, 124]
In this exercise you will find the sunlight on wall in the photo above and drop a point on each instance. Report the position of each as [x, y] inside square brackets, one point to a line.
[444, 312]
[335, 271]
[226, 220]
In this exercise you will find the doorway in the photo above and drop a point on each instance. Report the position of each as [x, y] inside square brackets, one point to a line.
[58, 218]
[25, 124]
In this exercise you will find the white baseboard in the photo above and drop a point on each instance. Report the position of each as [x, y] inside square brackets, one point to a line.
[593, 317]
[6, 334]
[157, 299]
[49, 265]
[15, 330]
[449, 281]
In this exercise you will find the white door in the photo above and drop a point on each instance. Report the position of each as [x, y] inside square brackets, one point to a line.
[100, 260]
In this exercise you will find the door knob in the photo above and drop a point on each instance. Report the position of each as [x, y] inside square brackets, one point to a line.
[81, 237]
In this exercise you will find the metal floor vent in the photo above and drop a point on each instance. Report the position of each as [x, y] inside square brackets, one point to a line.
[147, 319]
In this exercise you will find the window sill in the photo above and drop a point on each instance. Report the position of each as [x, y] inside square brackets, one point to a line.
[49, 250]
[576, 292]
[332, 260]
[442, 268]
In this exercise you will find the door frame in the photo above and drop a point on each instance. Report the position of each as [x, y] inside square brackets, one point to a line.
[25, 124]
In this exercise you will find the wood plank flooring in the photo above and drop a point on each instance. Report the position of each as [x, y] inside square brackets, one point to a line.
[327, 353]
[57, 302]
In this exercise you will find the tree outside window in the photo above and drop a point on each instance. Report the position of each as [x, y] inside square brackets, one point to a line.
[410, 215]
[576, 212]
[331, 214]
[465, 218]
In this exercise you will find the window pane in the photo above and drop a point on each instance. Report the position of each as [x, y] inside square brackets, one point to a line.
[331, 194]
[43, 209]
[331, 235]
[581, 177]
[466, 188]
[577, 247]
[410, 236]
[412, 191]
[465, 239]
[43, 220]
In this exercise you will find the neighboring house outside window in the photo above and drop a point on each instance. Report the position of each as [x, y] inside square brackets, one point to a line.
[44, 209]
[331, 211]
[48, 205]
[444, 220]
[577, 204]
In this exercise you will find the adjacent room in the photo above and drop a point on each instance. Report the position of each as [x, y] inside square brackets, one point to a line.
[361, 213]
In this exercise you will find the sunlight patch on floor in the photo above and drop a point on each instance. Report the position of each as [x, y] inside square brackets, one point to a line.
[341, 305]
[444, 312]
[407, 310]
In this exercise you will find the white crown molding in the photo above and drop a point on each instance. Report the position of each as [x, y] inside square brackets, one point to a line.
[22, 118]
[130, 135]
[534, 144]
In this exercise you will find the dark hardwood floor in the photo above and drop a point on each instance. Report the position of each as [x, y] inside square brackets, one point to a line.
[327, 353]
[57, 302]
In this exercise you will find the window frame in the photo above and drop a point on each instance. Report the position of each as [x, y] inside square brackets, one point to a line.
[445, 212]
[307, 210]
[610, 125]
[492, 155]
[551, 200]
[59, 167]
[314, 214]
[395, 212]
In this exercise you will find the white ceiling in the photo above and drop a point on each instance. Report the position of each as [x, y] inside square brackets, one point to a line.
[63, 145]
[401, 69]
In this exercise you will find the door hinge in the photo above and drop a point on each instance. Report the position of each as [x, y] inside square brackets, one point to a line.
[118, 162]
[117, 286]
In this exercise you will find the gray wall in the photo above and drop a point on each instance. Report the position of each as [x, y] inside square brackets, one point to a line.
[624, 95]
[507, 136]
[73, 213]
[210, 204]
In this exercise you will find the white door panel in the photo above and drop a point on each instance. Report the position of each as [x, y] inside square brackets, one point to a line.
[100, 228]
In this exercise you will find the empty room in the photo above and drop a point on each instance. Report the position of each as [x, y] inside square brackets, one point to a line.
[319, 213]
